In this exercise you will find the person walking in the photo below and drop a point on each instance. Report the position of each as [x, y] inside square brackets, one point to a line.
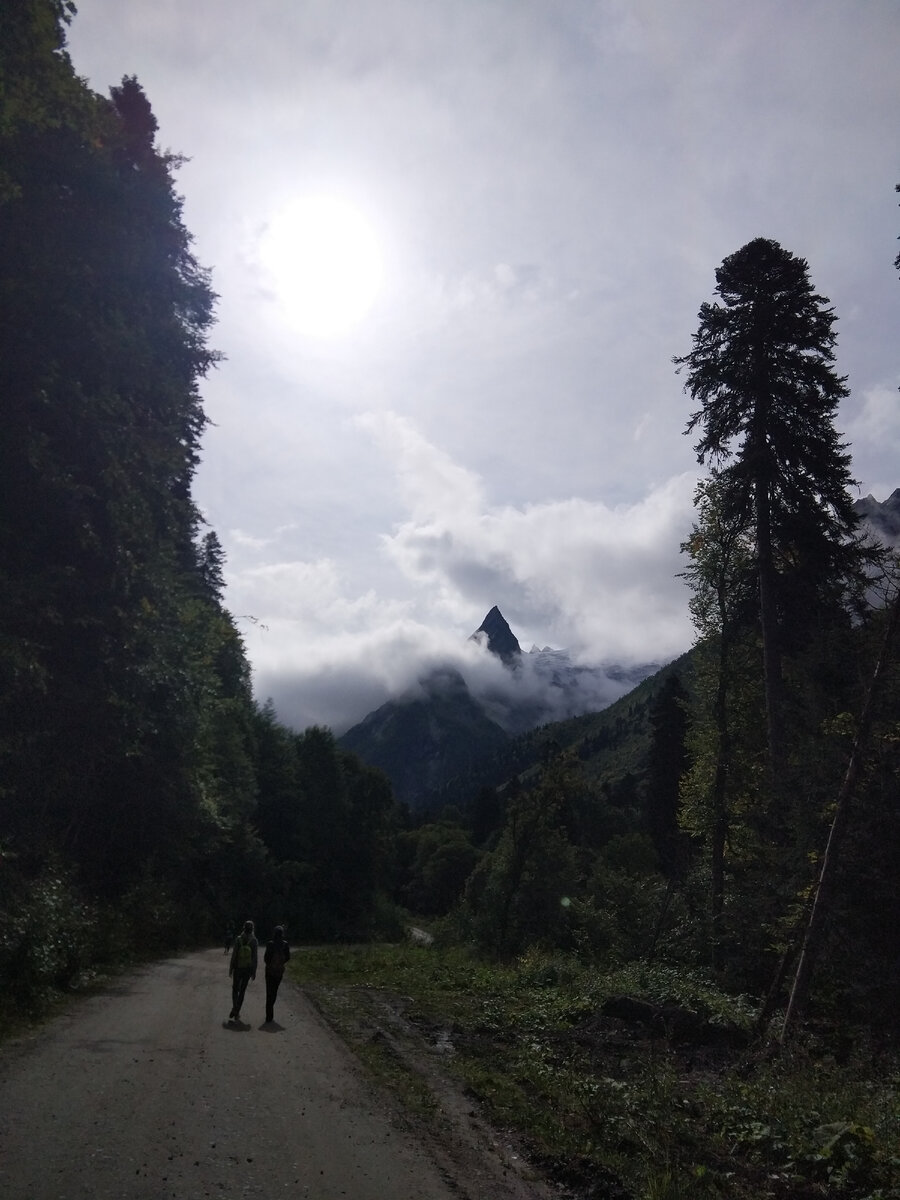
[276, 956]
[242, 967]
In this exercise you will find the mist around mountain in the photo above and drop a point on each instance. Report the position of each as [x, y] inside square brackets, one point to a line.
[468, 723]
[461, 716]
[427, 737]
[883, 519]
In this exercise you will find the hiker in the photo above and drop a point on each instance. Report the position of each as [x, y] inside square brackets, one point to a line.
[229, 938]
[277, 954]
[242, 967]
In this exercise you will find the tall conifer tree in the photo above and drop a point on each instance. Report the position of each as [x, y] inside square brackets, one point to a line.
[762, 370]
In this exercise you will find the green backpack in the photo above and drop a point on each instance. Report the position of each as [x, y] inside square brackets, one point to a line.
[244, 954]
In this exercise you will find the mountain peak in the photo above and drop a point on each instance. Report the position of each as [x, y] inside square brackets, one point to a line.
[883, 520]
[500, 638]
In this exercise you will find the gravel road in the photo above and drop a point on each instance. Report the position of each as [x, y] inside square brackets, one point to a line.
[142, 1091]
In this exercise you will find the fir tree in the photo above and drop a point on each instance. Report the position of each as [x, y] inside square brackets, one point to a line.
[762, 370]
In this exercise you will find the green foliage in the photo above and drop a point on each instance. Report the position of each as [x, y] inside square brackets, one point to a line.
[616, 917]
[118, 731]
[668, 762]
[440, 858]
[604, 1105]
[47, 935]
[328, 823]
[777, 566]
[125, 706]
[520, 892]
[761, 368]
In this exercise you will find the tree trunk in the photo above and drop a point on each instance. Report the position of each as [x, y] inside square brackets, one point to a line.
[719, 809]
[768, 616]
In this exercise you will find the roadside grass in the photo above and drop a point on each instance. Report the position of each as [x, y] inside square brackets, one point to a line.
[598, 1103]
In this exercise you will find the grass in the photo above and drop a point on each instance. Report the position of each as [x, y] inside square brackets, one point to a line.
[597, 1102]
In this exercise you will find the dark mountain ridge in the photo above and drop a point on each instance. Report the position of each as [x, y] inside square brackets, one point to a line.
[883, 519]
[500, 639]
[440, 732]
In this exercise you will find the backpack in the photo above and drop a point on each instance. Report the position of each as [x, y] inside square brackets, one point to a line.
[275, 965]
[244, 954]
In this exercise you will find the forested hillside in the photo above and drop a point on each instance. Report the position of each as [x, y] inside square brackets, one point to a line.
[739, 810]
[146, 800]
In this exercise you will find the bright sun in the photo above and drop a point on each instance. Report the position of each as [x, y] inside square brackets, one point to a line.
[324, 264]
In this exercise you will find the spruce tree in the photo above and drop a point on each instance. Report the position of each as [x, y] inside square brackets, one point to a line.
[668, 761]
[762, 370]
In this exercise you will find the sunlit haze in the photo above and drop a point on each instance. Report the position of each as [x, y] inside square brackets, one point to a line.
[456, 248]
[323, 262]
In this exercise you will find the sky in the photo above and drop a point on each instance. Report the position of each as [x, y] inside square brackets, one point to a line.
[457, 244]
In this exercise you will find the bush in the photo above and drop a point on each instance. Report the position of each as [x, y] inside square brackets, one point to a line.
[47, 934]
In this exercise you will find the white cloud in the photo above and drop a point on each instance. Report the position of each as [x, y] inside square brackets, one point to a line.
[873, 429]
[596, 580]
[599, 576]
[240, 537]
[878, 417]
[430, 482]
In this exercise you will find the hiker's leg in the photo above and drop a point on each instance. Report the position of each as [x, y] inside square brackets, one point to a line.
[272, 982]
[242, 978]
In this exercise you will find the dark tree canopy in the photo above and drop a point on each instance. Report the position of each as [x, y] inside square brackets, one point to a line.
[117, 662]
[762, 370]
[668, 761]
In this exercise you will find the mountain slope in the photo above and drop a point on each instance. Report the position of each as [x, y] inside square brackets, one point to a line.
[443, 736]
[613, 745]
[883, 519]
[444, 745]
[420, 742]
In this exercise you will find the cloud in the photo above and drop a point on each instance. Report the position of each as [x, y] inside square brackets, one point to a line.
[599, 581]
[430, 482]
[241, 538]
[873, 428]
[596, 576]
[878, 417]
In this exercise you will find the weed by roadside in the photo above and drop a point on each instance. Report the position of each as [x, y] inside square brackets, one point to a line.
[613, 1108]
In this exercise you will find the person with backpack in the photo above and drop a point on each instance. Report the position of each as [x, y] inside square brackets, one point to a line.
[276, 955]
[242, 967]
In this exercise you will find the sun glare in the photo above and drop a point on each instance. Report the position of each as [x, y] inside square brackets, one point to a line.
[323, 262]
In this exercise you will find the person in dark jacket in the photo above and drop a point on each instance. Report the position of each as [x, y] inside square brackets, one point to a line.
[242, 967]
[276, 955]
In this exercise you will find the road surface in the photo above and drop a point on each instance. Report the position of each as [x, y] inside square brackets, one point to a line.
[141, 1090]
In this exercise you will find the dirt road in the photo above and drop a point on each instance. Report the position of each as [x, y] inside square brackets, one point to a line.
[141, 1091]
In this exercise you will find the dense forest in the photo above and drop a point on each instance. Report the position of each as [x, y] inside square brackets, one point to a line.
[147, 800]
[738, 815]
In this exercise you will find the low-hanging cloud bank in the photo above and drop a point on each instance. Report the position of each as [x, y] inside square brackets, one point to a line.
[601, 582]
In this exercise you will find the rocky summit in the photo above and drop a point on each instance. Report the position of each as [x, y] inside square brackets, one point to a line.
[499, 638]
[883, 519]
[445, 727]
